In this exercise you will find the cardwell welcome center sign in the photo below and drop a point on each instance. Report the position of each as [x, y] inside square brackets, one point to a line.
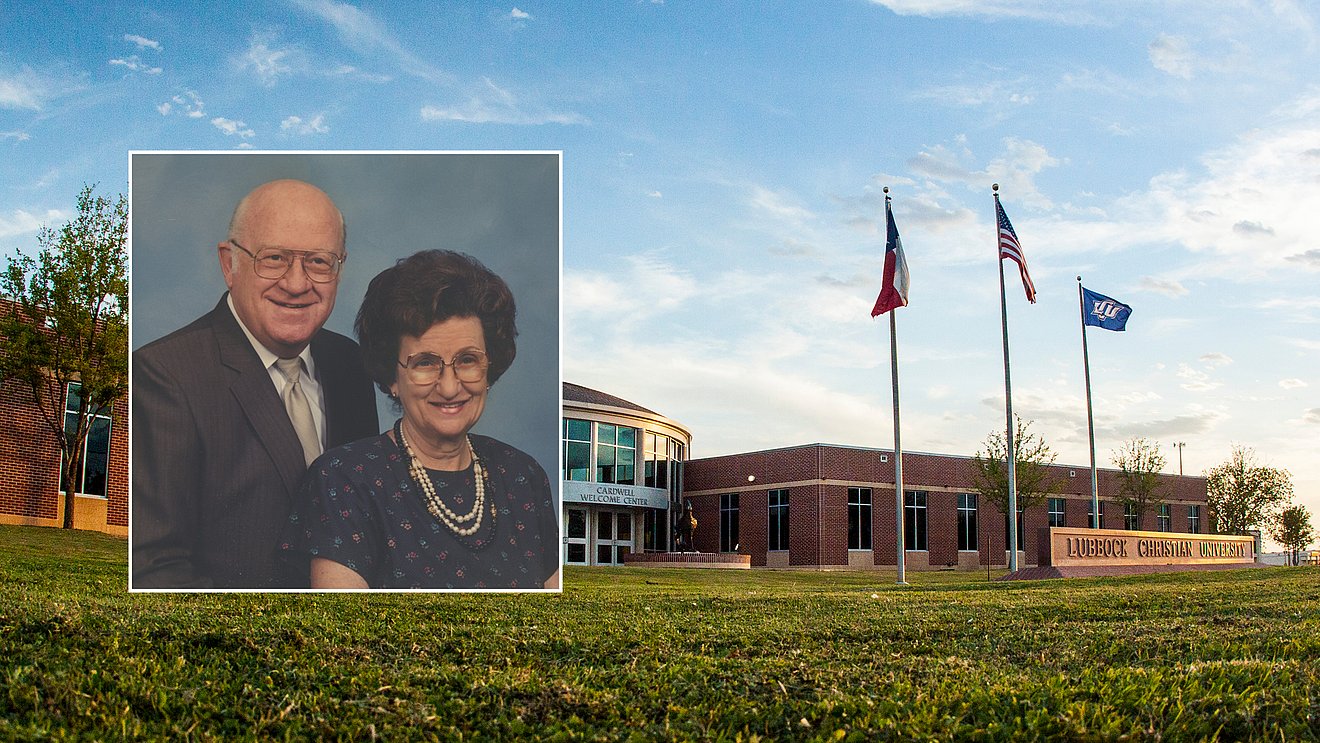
[1069, 547]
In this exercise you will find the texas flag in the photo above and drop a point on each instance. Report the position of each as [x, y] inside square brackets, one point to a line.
[895, 288]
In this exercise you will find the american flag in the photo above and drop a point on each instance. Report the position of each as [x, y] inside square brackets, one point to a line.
[1011, 249]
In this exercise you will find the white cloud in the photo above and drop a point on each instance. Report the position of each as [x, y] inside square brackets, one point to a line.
[344, 70]
[136, 64]
[519, 15]
[15, 135]
[24, 222]
[1196, 381]
[1015, 168]
[991, 93]
[1250, 228]
[1292, 384]
[231, 127]
[1304, 344]
[296, 125]
[142, 42]
[1309, 259]
[1167, 287]
[1180, 425]
[361, 31]
[267, 63]
[1215, 359]
[1250, 211]
[1173, 55]
[187, 103]
[491, 104]
[24, 89]
[1040, 10]
[778, 206]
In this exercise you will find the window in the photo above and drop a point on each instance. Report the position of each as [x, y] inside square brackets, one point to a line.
[1193, 519]
[729, 522]
[859, 518]
[657, 461]
[967, 522]
[778, 520]
[655, 530]
[93, 477]
[1131, 519]
[577, 450]
[1021, 545]
[1162, 520]
[1090, 516]
[914, 520]
[616, 453]
[676, 453]
[1056, 506]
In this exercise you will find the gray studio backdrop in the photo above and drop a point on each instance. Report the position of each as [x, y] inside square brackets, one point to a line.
[502, 208]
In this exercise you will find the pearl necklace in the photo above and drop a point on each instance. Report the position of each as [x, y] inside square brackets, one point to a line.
[437, 507]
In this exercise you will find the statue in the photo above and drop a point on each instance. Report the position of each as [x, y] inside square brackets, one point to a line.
[687, 527]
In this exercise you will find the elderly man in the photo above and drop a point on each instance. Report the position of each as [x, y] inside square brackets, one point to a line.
[229, 411]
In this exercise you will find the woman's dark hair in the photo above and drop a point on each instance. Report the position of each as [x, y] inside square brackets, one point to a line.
[428, 288]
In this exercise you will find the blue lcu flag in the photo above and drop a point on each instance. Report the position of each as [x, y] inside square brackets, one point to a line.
[1104, 312]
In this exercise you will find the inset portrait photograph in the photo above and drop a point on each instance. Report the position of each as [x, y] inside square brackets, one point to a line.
[345, 371]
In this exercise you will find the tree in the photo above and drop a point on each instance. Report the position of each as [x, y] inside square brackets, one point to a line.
[1242, 495]
[1139, 462]
[1293, 530]
[68, 325]
[1034, 481]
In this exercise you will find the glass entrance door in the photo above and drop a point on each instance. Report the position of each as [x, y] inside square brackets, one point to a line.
[613, 536]
[575, 537]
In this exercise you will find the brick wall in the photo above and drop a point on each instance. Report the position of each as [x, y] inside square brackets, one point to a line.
[29, 458]
[30, 467]
[818, 478]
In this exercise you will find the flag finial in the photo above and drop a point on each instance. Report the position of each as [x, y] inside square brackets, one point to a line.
[994, 187]
[886, 189]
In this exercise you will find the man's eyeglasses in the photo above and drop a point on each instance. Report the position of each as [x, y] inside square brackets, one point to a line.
[321, 266]
[425, 367]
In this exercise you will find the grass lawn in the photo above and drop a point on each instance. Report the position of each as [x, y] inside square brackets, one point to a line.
[654, 654]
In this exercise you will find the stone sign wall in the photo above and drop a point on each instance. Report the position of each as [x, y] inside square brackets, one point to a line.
[1070, 547]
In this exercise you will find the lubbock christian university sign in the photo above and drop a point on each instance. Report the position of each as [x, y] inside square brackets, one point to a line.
[1069, 547]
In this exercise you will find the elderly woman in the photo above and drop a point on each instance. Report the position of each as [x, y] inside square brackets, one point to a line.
[428, 504]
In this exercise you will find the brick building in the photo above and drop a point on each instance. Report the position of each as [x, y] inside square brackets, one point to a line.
[823, 505]
[30, 465]
[622, 477]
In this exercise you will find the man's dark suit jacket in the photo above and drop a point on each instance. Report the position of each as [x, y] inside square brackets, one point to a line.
[216, 462]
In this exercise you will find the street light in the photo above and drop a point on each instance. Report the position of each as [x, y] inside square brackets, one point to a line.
[1180, 445]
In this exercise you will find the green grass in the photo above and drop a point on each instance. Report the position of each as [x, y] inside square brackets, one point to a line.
[651, 654]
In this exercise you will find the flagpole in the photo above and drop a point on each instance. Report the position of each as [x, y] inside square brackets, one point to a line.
[1090, 419]
[898, 452]
[1008, 404]
[900, 549]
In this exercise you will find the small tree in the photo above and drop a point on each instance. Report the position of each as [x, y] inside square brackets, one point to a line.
[1033, 479]
[1139, 462]
[1293, 530]
[1242, 495]
[68, 324]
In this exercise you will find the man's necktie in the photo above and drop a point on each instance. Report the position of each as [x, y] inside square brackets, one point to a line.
[299, 409]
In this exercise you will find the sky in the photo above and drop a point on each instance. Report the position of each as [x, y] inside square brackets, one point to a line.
[723, 213]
